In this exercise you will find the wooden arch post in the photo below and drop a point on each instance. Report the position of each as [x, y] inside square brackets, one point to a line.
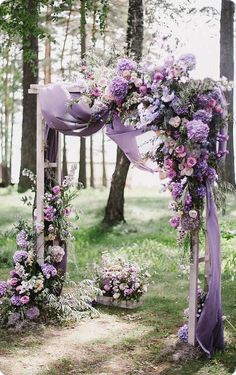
[41, 164]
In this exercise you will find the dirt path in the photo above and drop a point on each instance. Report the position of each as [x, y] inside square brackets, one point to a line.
[71, 343]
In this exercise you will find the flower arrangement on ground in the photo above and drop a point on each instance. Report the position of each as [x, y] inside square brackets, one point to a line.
[32, 291]
[121, 279]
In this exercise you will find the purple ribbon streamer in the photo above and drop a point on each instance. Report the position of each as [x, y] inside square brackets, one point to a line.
[210, 326]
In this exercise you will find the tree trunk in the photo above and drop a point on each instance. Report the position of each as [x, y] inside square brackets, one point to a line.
[82, 158]
[30, 75]
[6, 179]
[227, 70]
[114, 212]
[92, 184]
[104, 175]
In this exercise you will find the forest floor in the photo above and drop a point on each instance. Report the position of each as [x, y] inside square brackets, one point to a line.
[141, 341]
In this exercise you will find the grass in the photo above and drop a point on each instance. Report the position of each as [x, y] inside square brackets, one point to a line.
[147, 237]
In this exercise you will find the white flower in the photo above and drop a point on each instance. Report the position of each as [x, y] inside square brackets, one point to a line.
[116, 295]
[175, 121]
[193, 214]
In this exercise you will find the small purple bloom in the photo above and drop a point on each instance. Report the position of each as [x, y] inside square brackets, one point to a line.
[32, 313]
[189, 223]
[201, 192]
[3, 288]
[189, 60]
[211, 174]
[174, 221]
[183, 333]
[177, 190]
[197, 131]
[49, 213]
[15, 300]
[19, 256]
[56, 190]
[21, 239]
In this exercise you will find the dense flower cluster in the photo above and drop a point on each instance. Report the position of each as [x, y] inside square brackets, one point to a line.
[23, 295]
[188, 116]
[120, 279]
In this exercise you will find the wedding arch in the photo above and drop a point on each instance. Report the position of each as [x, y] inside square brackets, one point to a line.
[190, 121]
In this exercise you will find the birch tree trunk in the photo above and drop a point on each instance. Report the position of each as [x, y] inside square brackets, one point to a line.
[227, 70]
[114, 211]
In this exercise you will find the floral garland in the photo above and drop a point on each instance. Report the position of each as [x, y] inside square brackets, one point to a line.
[188, 116]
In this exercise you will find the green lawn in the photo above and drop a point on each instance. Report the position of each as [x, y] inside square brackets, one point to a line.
[146, 237]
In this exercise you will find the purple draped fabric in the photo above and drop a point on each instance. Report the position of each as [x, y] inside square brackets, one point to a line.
[210, 326]
[77, 120]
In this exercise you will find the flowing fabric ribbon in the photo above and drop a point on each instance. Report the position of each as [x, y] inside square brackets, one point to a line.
[77, 120]
[210, 326]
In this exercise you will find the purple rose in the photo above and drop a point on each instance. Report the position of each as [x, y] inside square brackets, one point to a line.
[197, 131]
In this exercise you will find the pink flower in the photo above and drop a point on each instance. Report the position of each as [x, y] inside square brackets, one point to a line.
[158, 76]
[218, 109]
[67, 211]
[211, 103]
[168, 164]
[174, 221]
[24, 300]
[96, 92]
[191, 161]
[180, 151]
[171, 173]
[143, 89]
[56, 190]
[13, 281]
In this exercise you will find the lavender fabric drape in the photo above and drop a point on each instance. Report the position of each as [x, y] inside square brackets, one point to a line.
[210, 326]
[77, 120]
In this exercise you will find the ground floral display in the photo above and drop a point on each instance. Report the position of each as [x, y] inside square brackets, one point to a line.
[121, 279]
[32, 291]
[188, 115]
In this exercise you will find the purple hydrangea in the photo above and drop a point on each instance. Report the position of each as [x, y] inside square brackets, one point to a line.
[181, 108]
[183, 333]
[201, 192]
[20, 256]
[21, 239]
[202, 100]
[177, 190]
[32, 313]
[3, 288]
[197, 131]
[48, 270]
[119, 88]
[15, 300]
[189, 60]
[49, 213]
[13, 319]
[189, 223]
[203, 115]
[126, 64]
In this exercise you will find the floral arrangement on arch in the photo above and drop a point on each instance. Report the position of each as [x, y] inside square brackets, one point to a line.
[121, 279]
[188, 116]
[33, 291]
